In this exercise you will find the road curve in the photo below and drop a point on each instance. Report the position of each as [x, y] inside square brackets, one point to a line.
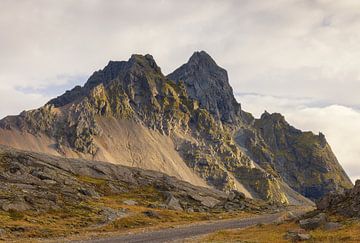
[168, 235]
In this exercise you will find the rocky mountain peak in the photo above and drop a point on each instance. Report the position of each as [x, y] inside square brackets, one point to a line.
[208, 83]
[137, 65]
[146, 62]
[202, 59]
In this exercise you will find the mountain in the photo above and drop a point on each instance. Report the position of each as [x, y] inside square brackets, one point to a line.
[187, 124]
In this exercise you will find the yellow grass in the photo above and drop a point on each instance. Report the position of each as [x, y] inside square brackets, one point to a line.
[350, 232]
[84, 218]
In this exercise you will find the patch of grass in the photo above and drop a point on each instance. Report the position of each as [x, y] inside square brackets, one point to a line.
[14, 215]
[350, 232]
[258, 234]
[143, 196]
[88, 217]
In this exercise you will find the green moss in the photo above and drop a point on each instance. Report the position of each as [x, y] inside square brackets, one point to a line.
[15, 215]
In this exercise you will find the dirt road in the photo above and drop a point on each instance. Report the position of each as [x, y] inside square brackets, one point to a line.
[172, 234]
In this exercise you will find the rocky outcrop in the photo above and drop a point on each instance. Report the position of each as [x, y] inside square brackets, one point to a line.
[346, 203]
[314, 222]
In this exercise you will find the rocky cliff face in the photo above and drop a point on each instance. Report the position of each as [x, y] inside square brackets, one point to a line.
[304, 160]
[187, 124]
[208, 83]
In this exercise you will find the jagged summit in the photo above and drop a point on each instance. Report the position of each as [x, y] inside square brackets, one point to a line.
[136, 64]
[201, 58]
[208, 83]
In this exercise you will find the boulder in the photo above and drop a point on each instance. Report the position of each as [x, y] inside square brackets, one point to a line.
[88, 192]
[233, 194]
[110, 214]
[173, 203]
[209, 202]
[297, 235]
[313, 223]
[152, 214]
[16, 206]
[332, 226]
[130, 202]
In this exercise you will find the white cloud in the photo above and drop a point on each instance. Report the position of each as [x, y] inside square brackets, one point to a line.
[340, 124]
[19, 101]
[298, 48]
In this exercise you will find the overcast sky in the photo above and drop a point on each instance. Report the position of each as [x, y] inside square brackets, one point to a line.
[298, 57]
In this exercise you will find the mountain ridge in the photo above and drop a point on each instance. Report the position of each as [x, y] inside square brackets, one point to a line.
[186, 124]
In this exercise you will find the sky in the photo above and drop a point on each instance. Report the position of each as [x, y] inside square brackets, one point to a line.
[297, 57]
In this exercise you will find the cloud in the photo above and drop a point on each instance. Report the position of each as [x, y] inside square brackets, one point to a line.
[13, 101]
[298, 48]
[340, 124]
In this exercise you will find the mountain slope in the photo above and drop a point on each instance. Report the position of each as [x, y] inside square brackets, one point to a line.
[187, 124]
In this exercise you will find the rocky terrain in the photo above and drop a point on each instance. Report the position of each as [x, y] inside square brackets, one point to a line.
[48, 196]
[187, 124]
[346, 203]
[39, 182]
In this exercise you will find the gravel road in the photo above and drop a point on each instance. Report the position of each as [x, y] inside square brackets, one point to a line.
[173, 234]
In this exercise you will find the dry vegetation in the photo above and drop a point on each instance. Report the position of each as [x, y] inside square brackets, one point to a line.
[87, 218]
[350, 232]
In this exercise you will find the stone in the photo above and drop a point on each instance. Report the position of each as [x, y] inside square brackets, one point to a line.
[88, 192]
[173, 203]
[206, 201]
[290, 216]
[130, 202]
[50, 182]
[190, 210]
[302, 237]
[332, 226]
[209, 202]
[297, 235]
[234, 194]
[41, 175]
[152, 214]
[16, 206]
[14, 168]
[111, 214]
[324, 202]
[314, 222]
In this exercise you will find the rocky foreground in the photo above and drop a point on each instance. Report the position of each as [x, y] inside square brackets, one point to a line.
[46, 196]
[33, 181]
[337, 215]
[346, 204]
